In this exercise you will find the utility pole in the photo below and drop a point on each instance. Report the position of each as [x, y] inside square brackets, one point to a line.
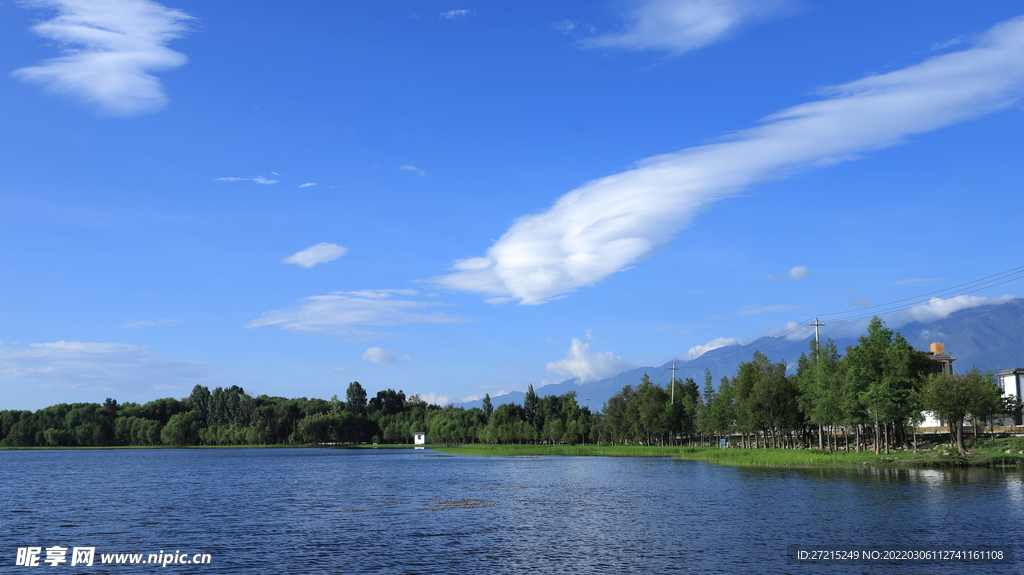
[816, 325]
[817, 354]
[674, 369]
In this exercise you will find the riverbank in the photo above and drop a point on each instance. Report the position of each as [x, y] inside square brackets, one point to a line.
[939, 457]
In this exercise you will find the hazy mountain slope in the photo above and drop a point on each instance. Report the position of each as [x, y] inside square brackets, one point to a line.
[991, 337]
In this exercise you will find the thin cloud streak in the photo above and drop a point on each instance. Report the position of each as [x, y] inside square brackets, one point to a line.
[151, 323]
[118, 42]
[257, 179]
[680, 26]
[96, 366]
[411, 168]
[613, 222]
[345, 313]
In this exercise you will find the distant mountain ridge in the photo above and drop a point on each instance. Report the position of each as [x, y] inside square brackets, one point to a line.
[989, 336]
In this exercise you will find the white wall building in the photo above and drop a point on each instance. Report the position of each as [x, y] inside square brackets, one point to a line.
[419, 437]
[1010, 381]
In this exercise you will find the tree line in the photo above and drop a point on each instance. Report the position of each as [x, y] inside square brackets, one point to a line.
[230, 416]
[874, 395]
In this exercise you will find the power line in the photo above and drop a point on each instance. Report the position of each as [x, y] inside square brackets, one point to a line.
[798, 331]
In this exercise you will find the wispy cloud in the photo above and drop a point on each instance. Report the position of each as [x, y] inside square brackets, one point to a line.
[96, 366]
[345, 313]
[257, 179]
[940, 308]
[855, 301]
[150, 323]
[913, 281]
[383, 356]
[794, 273]
[319, 254]
[761, 310]
[306, 185]
[682, 25]
[564, 27]
[932, 310]
[585, 366]
[611, 223]
[699, 350]
[948, 43]
[111, 47]
[410, 168]
[455, 14]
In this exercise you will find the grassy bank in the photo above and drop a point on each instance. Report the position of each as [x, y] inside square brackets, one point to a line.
[939, 457]
[271, 446]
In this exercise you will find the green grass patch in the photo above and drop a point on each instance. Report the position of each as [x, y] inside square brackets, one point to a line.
[991, 456]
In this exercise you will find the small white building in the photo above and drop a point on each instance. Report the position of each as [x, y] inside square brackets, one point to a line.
[419, 437]
[1010, 381]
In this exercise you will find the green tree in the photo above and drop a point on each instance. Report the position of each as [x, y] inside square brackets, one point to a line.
[487, 407]
[355, 399]
[819, 380]
[882, 373]
[952, 397]
[181, 429]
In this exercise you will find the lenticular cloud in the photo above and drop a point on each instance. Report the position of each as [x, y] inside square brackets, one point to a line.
[118, 43]
[613, 222]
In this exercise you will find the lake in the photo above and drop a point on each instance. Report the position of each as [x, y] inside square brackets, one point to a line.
[420, 511]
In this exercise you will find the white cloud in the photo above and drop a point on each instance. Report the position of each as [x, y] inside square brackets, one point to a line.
[257, 179]
[795, 273]
[932, 310]
[436, 398]
[798, 272]
[939, 308]
[319, 254]
[611, 223]
[112, 45]
[96, 366]
[683, 25]
[150, 323]
[306, 185]
[383, 356]
[699, 350]
[455, 14]
[344, 312]
[411, 168]
[585, 366]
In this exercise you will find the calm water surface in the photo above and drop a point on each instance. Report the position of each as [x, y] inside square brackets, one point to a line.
[406, 511]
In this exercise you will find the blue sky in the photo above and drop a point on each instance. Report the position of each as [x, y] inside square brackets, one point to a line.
[463, 198]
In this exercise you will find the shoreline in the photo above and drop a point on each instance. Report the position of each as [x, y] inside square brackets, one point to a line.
[930, 459]
[940, 458]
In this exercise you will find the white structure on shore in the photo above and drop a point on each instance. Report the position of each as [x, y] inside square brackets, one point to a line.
[1011, 381]
[419, 438]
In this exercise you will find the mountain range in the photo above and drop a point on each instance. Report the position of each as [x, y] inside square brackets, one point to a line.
[988, 336]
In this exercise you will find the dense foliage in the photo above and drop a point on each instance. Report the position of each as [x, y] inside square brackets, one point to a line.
[874, 395]
[232, 417]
